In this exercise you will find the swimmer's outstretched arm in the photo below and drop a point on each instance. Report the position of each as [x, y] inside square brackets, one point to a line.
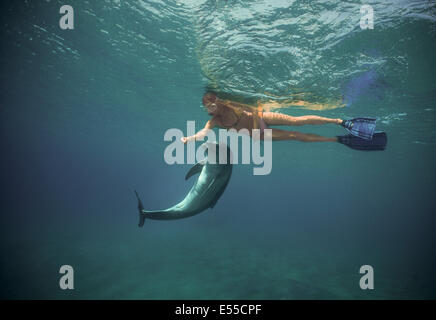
[202, 133]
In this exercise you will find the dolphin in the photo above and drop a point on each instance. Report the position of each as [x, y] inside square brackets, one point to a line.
[210, 185]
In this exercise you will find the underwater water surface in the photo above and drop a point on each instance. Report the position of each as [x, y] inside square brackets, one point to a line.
[83, 115]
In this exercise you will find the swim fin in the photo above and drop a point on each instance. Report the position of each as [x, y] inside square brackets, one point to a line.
[377, 143]
[360, 127]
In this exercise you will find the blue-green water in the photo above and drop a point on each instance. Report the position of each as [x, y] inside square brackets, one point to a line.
[84, 111]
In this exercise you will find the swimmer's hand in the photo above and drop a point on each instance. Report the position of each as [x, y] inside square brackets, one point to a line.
[184, 139]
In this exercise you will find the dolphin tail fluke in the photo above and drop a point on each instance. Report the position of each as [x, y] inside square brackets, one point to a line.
[141, 219]
[141, 211]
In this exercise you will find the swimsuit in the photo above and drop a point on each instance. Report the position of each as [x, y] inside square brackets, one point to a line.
[261, 124]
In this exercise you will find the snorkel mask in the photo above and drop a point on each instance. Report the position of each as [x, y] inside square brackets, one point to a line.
[209, 100]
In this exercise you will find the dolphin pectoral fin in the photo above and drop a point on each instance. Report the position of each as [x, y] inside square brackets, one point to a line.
[141, 211]
[195, 169]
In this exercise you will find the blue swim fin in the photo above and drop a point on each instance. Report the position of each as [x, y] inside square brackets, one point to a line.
[377, 143]
[360, 127]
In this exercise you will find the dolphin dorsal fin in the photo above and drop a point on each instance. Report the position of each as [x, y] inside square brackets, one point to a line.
[195, 169]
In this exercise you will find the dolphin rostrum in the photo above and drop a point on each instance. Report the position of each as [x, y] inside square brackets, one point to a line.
[210, 185]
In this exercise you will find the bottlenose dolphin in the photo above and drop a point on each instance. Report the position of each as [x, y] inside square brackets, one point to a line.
[210, 185]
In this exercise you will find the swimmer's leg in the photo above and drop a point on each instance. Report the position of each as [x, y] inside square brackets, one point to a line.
[300, 104]
[279, 119]
[278, 134]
